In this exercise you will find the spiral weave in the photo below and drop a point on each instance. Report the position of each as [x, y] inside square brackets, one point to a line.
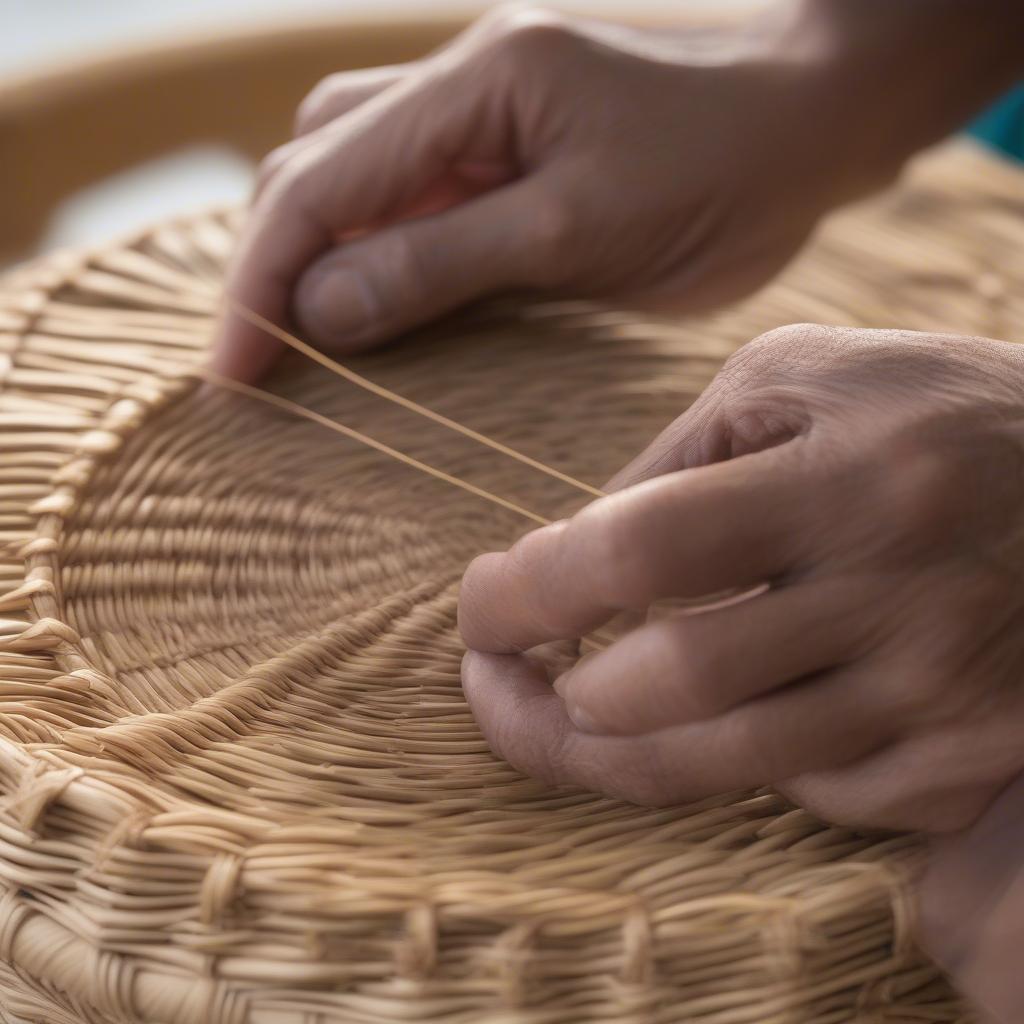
[239, 782]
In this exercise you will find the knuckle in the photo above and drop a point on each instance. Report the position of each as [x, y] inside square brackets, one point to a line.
[786, 342]
[815, 350]
[271, 165]
[551, 238]
[286, 185]
[524, 18]
[925, 494]
[948, 479]
[766, 356]
[815, 794]
[927, 489]
[310, 109]
[965, 647]
[525, 34]
[396, 266]
[917, 693]
[694, 670]
[760, 746]
[643, 782]
[612, 556]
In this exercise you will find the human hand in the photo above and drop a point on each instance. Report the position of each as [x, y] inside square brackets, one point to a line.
[972, 908]
[876, 480]
[539, 152]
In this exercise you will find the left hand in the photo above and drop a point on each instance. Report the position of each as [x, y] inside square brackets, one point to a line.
[875, 479]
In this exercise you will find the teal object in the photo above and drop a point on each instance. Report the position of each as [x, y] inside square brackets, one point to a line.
[1002, 126]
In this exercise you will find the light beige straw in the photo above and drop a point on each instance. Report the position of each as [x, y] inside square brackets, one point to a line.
[269, 398]
[360, 381]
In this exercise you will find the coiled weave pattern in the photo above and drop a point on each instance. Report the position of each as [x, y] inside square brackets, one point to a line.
[239, 782]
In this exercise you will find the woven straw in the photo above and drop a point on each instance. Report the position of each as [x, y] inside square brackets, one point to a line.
[240, 784]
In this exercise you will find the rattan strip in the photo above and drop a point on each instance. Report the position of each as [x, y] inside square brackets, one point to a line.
[297, 410]
[360, 381]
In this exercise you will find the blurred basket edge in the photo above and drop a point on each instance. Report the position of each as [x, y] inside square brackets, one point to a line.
[72, 124]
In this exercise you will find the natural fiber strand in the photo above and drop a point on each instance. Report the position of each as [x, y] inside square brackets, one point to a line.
[358, 379]
[298, 410]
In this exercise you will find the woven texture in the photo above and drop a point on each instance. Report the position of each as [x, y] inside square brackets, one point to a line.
[239, 781]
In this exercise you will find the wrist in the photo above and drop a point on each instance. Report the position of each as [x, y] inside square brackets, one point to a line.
[891, 77]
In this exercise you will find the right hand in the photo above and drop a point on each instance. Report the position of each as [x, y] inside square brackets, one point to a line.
[875, 479]
[673, 170]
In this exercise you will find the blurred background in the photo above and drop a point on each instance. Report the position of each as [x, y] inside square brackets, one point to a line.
[186, 94]
[44, 36]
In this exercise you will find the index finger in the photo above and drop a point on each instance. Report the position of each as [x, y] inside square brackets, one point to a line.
[360, 167]
[686, 534]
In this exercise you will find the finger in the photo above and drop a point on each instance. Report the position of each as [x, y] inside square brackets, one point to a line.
[465, 180]
[385, 282]
[990, 977]
[712, 430]
[377, 159]
[525, 724]
[866, 796]
[332, 98]
[339, 93]
[824, 723]
[276, 160]
[936, 782]
[693, 666]
[969, 871]
[970, 876]
[819, 724]
[685, 534]
[699, 437]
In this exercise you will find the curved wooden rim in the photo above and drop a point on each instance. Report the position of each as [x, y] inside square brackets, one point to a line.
[64, 128]
[74, 123]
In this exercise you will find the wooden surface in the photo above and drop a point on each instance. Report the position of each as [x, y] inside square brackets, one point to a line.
[67, 127]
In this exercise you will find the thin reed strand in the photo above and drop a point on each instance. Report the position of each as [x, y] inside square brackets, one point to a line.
[269, 398]
[596, 641]
[359, 380]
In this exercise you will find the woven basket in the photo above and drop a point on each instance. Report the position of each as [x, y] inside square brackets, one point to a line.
[240, 784]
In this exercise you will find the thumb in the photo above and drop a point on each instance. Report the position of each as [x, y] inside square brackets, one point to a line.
[390, 280]
[699, 437]
[734, 416]
[348, 178]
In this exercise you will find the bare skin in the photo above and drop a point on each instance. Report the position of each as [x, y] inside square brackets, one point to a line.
[876, 681]
[869, 485]
[412, 190]
[972, 904]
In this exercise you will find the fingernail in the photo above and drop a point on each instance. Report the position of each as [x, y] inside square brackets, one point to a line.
[581, 718]
[578, 715]
[336, 306]
[561, 683]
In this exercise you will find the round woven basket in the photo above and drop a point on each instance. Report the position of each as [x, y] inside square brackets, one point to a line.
[240, 784]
